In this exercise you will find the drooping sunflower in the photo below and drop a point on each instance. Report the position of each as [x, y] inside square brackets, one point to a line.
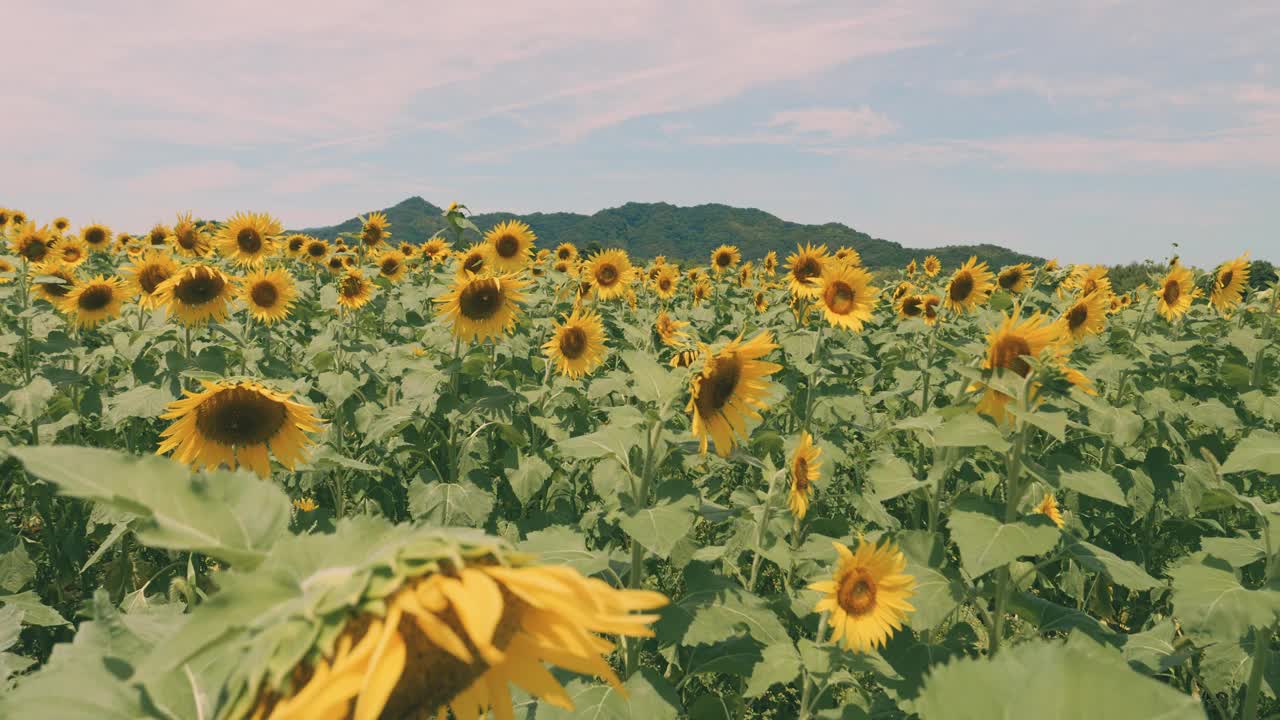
[190, 240]
[146, 274]
[1049, 507]
[724, 258]
[1015, 278]
[902, 290]
[510, 245]
[474, 261]
[482, 307]
[804, 471]
[911, 306]
[847, 297]
[248, 238]
[969, 287]
[7, 271]
[667, 280]
[268, 294]
[1008, 347]
[159, 235]
[1229, 283]
[97, 237]
[295, 245]
[760, 302]
[770, 264]
[234, 424]
[932, 266]
[745, 273]
[577, 346]
[71, 251]
[391, 265]
[611, 273]
[701, 291]
[196, 294]
[373, 230]
[51, 281]
[1175, 293]
[91, 302]
[670, 330]
[729, 389]
[437, 248]
[804, 270]
[566, 251]
[316, 250]
[31, 242]
[354, 290]
[911, 268]
[929, 306]
[1086, 316]
[867, 595]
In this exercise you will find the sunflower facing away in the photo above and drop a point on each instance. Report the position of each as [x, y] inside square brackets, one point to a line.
[437, 248]
[1049, 507]
[249, 238]
[1175, 293]
[911, 268]
[577, 345]
[667, 280]
[1086, 316]
[146, 274]
[725, 257]
[354, 290]
[482, 307]
[233, 424]
[1008, 347]
[97, 237]
[268, 294]
[510, 244]
[729, 389]
[804, 270]
[867, 595]
[92, 302]
[805, 469]
[189, 240]
[1229, 283]
[196, 294]
[373, 231]
[932, 266]
[51, 291]
[847, 296]
[391, 265]
[71, 251]
[31, 242]
[969, 287]
[1015, 278]
[611, 273]
[670, 330]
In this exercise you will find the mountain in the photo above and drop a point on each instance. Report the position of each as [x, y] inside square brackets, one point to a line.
[649, 229]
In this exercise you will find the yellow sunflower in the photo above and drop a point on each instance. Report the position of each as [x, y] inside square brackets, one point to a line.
[437, 248]
[1229, 283]
[667, 280]
[295, 245]
[1008, 347]
[373, 230]
[577, 345]
[725, 257]
[5, 216]
[911, 268]
[92, 302]
[1086, 316]
[745, 273]
[234, 423]
[729, 389]
[911, 306]
[268, 294]
[408, 249]
[97, 237]
[248, 239]
[1050, 265]
[316, 250]
[158, 235]
[17, 217]
[391, 265]
[566, 266]
[190, 240]
[475, 260]
[510, 245]
[770, 264]
[611, 273]
[929, 307]
[903, 289]
[1176, 292]
[71, 251]
[932, 266]
[867, 595]
[566, 251]
[31, 243]
[670, 330]
[1015, 278]
[847, 297]
[354, 290]
[336, 264]
[52, 292]
[760, 302]
[482, 307]
[7, 271]
[196, 294]
[1086, 279]
[969, 287]
[60, 224]
[848, 256]
[1049, 506]
[805, 470]
[146, 274]
[701, 291]
[804, 270]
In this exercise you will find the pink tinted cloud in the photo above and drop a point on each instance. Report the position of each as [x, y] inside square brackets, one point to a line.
[836, 123]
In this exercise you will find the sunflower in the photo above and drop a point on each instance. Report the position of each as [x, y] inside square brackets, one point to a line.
[1176, 292]
[760, 302]
[610, 272]
[685, 358]
[669, 330]
[911, 268]
[305, 505]
[1229, 283]
[566, 251]
[911, 306]
[902, 290]
[474, 261]
[233, 424]
[336, 263]
[804, 270]
[565, 266]
[188, 239]
[1008, 347]
[666, 281]
[61, 224]
[92, 302]
[96, 236]
[1086, 279]
[577, 345]
[437, 248]
[932, 266]
[1086, 316]
[867, 595]
[1015, 278]
[71, 251]
[1050, 265]
[848, 256]
[970, 285]
[295, 245]
[847, 296]
[482, 307]
[373, 229]
[196, 294]
[31, 242]
[7, 271]
[1049, 506]
[729, 389]
[354, 290]
[744, 274]
[391, 265]
[725, 257]
[146, 274]
[269, 294]
[805, 469]
[5, 216]
[17, 217]
[770, 264]
[316, 250]
[249, 238]
[701, 291]
[408, 249]
[52, 292]
[159, 235]
[929, 307]
[510, 244]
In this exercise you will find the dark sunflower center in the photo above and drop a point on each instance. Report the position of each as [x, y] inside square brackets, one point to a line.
[1078, 316]
[573, 342]
[95, 236]
[801, 474]
[157, 236]
[61, 224]
[335, 263]
[264, 294]
[961, 287]
[564, 253]
[474, 263]
[249, 241]
[315, 250]
[372, 234]
[664, 284]
[199, 288]
[240, 416]
[1009, 280]
[807, 267]
[390, 266]
[480, 300]
[607, 275]
[56, 289]
[1224, 280]
[1172, 291]
[840, 297]
[715, 391]
[352, 286]
[151, 276]
[34, 248]
[507, 246]
[857, 593]
[295, 244]
[95, 298]
[911, 307]
[1010, 354]
[71, 253]
[724, 259]
[186, 238]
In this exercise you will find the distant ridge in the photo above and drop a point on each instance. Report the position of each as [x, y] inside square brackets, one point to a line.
[691, 233]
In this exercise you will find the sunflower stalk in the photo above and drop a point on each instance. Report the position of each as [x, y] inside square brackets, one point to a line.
[761, 528]
[806, 687]
[1013, 490]
[636, 576]
[1253, 690]
[1260, 357]
[809, 395]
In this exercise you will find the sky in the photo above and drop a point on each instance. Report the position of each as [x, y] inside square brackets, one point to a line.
[1088, 130]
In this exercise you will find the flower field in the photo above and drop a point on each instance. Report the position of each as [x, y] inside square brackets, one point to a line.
[255, 474]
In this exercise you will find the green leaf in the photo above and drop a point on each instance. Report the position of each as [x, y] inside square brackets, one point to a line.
[564, 546]
[1047, 681]
[1049, 617]
[713, 609]
[658, 528]
[986, 543]
[10, 626]
[142, 401]
[736, 656]
[653, 383]
[337, 387]
[34, 612]
[1095, 484]
[647, 697]
[232, 516]
[1208, 599]
[1238, 552]
[16, 567]
[614, 440]
[970, 430]
[527, 479]
[1153, 650]
[450, 504]
[891, 476]
[779, 665]
[1121, 571]
[29, 402]
[1259, 451]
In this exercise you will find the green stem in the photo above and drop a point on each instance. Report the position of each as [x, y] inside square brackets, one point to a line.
[1013, 490]
[813, 380]
[806, 687]
[761, 529]
[1252, 691]
[636, 576]
[1260, 357]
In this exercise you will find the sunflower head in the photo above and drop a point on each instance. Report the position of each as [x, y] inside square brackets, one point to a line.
[929, 307]
[1049, 507]
[566, 251]
[71, 251]
[577, 346]
[373, 229]
[295, 244]
[5, 216]
[1176, 292]
[970, 286]
[611, 273]
[437, 248]
[336, 264]
[510, 245]
[932, 266]
[354, 289]
[902, 289]
[51, 281]
[474, 261]
[1087, 279]
[145, 275]
[189, 239]
[770, 263]
[910, 270]
[248, 238]
[1086, 316]
[846, 296]
[268, 294]
[196, 294]
[32, 243]
[760, 302]
[670, 330]
[666, 281]
[1229, 283]
[60, 224]
[724, 258]
[158, 235]
[391, 265]
[483, 307]
[911, 306]
[316, 250]
[7, 271]
[804, 470]
[804, 270]
[1015, 278]
[92, 302]
[867, 595]
[848, 256]
[1011, 344]
[17, 217]
[730, 388]
[96, 236]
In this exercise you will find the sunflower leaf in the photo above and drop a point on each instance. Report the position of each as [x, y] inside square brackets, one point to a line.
[986, 543]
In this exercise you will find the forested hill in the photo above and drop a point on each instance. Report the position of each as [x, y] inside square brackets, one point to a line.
[648, 229]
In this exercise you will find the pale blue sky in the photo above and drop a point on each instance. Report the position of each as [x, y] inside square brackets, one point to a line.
[1094, 131]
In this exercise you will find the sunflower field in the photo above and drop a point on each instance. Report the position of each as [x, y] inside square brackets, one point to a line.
[254, 474]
